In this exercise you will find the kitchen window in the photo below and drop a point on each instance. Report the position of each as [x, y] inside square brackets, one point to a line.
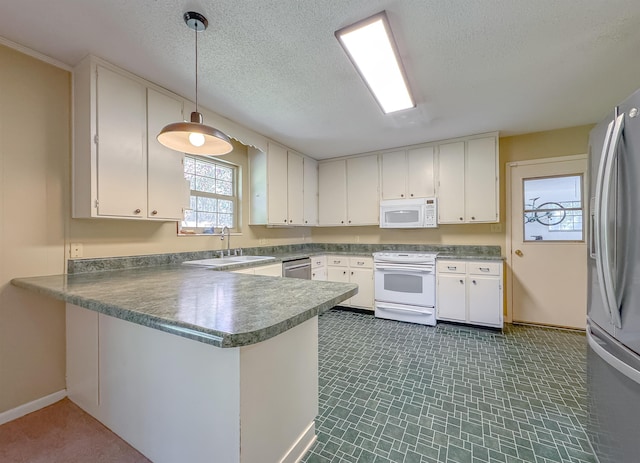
[214, 195]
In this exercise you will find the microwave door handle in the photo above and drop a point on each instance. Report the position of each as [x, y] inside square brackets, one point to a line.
[598, 219]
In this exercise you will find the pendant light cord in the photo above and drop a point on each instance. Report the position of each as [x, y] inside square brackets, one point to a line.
[196, 30]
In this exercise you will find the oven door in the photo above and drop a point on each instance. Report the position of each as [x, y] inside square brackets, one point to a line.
[405, 284]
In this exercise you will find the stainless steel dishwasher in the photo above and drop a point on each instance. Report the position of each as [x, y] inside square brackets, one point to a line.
[298, 268]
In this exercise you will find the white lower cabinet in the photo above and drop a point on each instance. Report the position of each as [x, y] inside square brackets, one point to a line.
[319, 268]
[353, 269]
[470, 292]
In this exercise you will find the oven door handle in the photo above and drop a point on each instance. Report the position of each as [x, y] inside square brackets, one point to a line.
[405, 268]
[403, 309]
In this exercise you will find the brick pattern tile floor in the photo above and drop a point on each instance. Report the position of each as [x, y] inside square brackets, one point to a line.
[399, 392]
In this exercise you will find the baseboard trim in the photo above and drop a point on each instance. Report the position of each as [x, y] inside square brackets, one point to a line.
[32, 406]
[300, 448]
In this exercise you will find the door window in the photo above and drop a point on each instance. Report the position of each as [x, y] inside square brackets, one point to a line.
[553, 208]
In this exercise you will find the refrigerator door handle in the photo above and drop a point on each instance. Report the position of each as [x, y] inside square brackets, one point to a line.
[607, 269]
[597, 344]
[598, 239]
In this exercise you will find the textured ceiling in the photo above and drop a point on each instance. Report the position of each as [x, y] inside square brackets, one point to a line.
[514, 66]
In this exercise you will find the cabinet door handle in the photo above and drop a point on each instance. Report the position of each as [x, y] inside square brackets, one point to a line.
[360, 263]
[412, 195]
[461, 282]
[137, 211]
[351, 273]
[451, 267]
[474, 282]
[342, 221]
[461, 218]
[402, 196]
[484, 269]
[336, 262]
[344, 273]
[154, 212]
[473, 218]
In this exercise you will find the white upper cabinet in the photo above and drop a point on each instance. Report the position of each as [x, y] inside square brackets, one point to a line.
[468, 181]
[111, 140]
[167, 189]
[277, 180]
[363, 206]
[481, 179]
[295, 188]
[394, 175]
[408, 173]
[348, 191]
[451, 183]
[310, 194]
[421, 173]
[277, 185]
[332, 193]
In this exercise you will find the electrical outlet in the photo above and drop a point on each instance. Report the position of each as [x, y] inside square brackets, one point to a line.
[496, 228]
[75, 250]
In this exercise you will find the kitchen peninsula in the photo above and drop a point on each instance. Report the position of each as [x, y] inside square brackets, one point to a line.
[189, 364]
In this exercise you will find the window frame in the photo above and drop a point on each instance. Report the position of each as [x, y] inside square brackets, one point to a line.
[235, 198]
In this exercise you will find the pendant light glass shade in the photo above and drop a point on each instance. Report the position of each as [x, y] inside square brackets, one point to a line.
[194, 137]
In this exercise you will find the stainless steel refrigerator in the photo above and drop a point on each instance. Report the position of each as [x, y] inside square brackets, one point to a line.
[613, 322]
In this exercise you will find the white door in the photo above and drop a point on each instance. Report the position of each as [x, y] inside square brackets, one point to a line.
[394, 173]
[332, 193]
[363, 206]
[451, 183]
[168, 190]
[295, 188]
[363, 277]
[122, 138]
[277, 184]
[420, 177]
[310, 194]
[485, 300]
[481, 181]
[546, 241]
[452, 299]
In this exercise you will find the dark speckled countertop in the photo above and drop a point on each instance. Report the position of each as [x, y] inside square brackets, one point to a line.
[219, 308]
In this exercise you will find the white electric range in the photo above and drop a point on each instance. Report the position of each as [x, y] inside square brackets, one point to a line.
[405, 286]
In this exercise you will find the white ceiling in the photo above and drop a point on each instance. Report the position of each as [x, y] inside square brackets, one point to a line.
[514, 66]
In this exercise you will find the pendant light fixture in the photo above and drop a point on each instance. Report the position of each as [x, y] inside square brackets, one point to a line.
[194, 137]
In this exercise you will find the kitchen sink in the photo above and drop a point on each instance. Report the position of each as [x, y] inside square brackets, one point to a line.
[224, 261]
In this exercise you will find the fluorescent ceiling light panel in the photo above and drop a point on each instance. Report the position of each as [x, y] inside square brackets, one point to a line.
[370, 46]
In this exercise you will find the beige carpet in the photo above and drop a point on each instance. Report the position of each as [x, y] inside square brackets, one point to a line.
[63, 433]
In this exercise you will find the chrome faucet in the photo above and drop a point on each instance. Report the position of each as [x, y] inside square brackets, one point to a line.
[226, 230]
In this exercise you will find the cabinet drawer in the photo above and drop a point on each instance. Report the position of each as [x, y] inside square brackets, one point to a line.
[452, 267]
[360, 262]
[318, 261]
[337, 261]
[484, 268]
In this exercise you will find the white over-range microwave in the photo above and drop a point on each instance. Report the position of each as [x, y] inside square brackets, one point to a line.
[409, 213]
